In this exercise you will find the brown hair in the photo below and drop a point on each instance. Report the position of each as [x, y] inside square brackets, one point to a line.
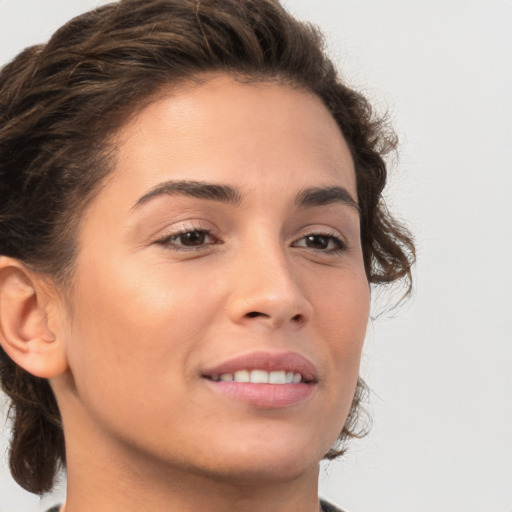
[61, 101]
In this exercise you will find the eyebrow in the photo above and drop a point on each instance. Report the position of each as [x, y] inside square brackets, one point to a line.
[307, 198]
[197, 189]
[321, 196]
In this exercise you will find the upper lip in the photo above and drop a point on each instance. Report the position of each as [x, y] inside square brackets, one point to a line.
[269, 361]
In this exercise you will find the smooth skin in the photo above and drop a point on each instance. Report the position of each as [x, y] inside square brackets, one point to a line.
[167, 285]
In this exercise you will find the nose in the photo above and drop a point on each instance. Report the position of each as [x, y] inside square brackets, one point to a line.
[266, 290]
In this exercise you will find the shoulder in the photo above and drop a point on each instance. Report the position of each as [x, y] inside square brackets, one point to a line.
[327, 507]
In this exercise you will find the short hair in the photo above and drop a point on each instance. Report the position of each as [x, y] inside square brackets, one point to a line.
[60, 104]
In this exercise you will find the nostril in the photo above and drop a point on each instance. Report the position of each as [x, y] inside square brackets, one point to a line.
[254, 314]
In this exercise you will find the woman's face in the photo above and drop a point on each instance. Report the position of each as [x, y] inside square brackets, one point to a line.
[225, 247]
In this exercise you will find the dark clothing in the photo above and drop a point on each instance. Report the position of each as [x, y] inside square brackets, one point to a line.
[326, 507]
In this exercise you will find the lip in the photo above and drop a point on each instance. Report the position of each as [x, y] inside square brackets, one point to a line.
[269, 361]
[266, 396]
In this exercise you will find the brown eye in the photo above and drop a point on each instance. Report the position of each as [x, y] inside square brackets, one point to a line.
[192, 238]
[188, 240]
[317, 241]
[325, 243]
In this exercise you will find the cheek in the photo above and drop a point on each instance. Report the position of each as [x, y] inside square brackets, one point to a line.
[343, 305]
[136, 298]
[130, 328]
[342, 318]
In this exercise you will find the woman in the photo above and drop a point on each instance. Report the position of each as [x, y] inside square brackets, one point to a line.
[190, 221]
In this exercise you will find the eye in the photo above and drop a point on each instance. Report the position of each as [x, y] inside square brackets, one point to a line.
[322, 242]
[187, 239]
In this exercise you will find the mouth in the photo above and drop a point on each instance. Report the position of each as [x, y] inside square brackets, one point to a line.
[264, 380]
[261, 377]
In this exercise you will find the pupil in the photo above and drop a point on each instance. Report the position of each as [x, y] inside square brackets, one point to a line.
[193, 238]
[317, 241]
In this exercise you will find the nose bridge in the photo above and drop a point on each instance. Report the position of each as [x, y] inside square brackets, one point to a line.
[266, 285]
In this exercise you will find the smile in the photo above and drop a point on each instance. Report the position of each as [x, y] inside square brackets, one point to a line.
[264, 379]
[260, 377]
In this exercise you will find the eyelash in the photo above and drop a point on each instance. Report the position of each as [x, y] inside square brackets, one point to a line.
[169, 241]
[340, 246]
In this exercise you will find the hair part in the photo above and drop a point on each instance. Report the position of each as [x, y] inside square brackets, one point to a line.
[60, 106]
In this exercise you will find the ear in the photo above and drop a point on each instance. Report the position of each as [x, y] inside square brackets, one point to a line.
[26, 304]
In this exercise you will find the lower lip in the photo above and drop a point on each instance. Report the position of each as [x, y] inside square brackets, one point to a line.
[267, 396]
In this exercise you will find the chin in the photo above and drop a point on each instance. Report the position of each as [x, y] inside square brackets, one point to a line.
[271, 470]
[280, 459]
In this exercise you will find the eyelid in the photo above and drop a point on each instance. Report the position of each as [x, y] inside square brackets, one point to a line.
[168, 237]
[327, 232]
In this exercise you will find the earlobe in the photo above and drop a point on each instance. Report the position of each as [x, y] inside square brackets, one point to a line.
[25, 334]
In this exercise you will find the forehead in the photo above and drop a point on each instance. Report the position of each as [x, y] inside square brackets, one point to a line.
[235, 131]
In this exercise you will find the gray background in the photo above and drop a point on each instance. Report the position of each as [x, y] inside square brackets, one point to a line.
[441, 372]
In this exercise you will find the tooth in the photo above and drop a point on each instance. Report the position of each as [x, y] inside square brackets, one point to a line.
[242, 376]
[277, 377]
[259, 377]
